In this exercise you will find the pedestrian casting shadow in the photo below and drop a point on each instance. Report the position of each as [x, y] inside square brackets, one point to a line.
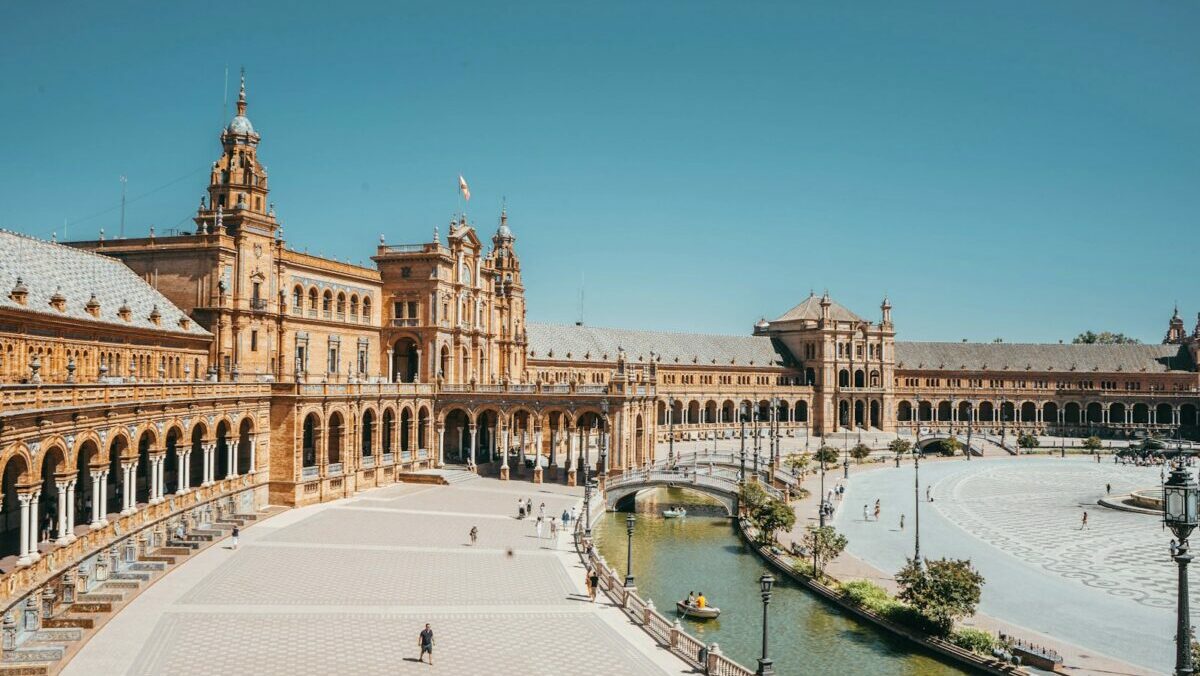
[411, 659]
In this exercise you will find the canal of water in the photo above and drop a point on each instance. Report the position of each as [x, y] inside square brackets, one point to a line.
[703, 553]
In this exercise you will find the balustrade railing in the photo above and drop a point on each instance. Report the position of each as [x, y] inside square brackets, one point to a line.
[309, 473]
[334, 469]
[368, 461]
[31, 396]
[388, 459]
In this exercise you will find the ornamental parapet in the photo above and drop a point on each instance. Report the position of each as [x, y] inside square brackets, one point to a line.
[17, 398]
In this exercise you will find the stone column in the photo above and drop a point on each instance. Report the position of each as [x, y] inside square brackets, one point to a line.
[209, 466]
[34, 554]
[537, 457]
[441, 446]
[97, 500]
[253, 458]
[471, 452]
[572, 450]
[231, 448]
[183, 471]
[103, 501]
[504, 452]
[24, 558]
[126, 488]
[61, 517]
[71, 511]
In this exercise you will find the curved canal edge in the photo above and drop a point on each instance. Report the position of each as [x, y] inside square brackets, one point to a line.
[667, 633]
[942, 648]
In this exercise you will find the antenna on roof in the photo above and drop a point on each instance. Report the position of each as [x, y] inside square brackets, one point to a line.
[581, 279]
[123, 182]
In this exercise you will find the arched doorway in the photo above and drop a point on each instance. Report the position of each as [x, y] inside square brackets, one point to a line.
[170, 463]
[333, 446]
[308, 442]
[116, 477]
[221, 462]
[141, 493]
[245, 439]
[195, 458]
[14, 476]
[405, 361]
[875, 418]
[367, 433]
[387, 431]
[85, 487]
[456, 434]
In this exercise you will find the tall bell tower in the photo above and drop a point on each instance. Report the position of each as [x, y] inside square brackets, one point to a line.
[237, 185]
[510, 302]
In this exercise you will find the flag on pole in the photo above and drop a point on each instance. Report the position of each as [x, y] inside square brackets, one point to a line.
[462, 187]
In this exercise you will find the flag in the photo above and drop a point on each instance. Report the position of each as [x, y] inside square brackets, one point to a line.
[462, 187]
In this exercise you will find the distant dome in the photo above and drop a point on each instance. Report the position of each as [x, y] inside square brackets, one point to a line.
[504, 231]
[762, 324]
[240, 125]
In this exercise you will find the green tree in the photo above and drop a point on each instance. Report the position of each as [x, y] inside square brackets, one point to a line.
[942, 591]
[860, 452]
[1028, 441]
[900, 446]
[826, 455]
[1093, 443]
[945, 447]
[799, 462]
[824, 544]
[772, 516]
[1104, 338]
[751, 497]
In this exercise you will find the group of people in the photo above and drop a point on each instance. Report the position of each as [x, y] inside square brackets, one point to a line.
[694, 600]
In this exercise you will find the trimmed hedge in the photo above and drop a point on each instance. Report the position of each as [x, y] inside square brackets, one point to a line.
[975, 640]
[876, 599]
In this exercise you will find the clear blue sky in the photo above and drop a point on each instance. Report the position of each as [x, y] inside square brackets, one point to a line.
[1019, 169]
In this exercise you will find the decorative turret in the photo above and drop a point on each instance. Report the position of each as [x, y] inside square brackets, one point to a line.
[886, 308]
[58, 301]
[825, 304]
[1175, 330]
[20, 292]
[93, 306]
[124, 312]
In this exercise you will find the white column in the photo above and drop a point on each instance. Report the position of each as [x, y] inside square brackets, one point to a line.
[97, 500]
[103, 501]
[71, 511]
[162, 476]
[24, 559]
[208, 463]
[574, 452]
[62, 513]
[231, 459]
[34, 554]
[441, 447]
[472, 450]
[253, 461]
[127, 474]
[504, 447]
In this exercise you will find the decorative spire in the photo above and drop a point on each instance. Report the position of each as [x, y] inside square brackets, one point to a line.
[220, 229]
[241, 102]
[436, 239]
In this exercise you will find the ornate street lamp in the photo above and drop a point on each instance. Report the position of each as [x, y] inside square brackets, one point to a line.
[764, 663]
[629, 520]
[671, 432]
[1180, 515]
[775, 430]
[757, 438]
[604, 439]
[917, 500]
[846, 460]
[821, 502]
[970, 425]
[742, 415]
[587, 504]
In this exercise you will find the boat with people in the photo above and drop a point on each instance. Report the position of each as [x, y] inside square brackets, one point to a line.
[674, 513]
[696, 612]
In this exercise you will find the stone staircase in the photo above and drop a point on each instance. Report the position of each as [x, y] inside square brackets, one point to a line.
[446, 476]
[44, 651]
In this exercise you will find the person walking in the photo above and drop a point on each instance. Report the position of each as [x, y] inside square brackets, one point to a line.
[520, 508]
[901, 522]
[574, 515]
[877, 511]
[474, 535]
[1083, 524]
[234, 535]
[425, 641]
[553, 530]
[565, 518]
[1108, 489]
[539, 529]
[866, 516]
[929, 493]
[593, 583]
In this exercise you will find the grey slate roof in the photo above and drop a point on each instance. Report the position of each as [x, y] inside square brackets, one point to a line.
[1042, 357]
[589, 343]
[44, 268]
[810, 308]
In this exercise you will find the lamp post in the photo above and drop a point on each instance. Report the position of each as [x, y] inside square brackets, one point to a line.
[765, 665]
[846, 458]
[821, 501]
[604, 440]
[757, 438]
[671, 431]
[742, 415]
[917, 500]
[587, 504]
[970, 425]
[629, 520]
[1180, 515]
[774, 430]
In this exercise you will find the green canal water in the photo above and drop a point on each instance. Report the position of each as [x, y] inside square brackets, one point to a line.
[702, 552]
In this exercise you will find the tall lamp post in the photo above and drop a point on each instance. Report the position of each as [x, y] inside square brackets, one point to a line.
[757, 438]
[970, 425]
[604, 439]
[917, 489]
[1180, 515]
[821, 501]
[775, 431]
[587, 504]
[742, 414]
[846, 459]
[629, 521]
[671, 431]
[765, 666]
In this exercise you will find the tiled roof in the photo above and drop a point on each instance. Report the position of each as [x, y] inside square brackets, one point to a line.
[589, 343]
[1042, 357]
[45, 268]
[810, 308]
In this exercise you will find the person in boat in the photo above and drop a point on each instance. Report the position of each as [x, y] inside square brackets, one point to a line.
[691, 599]
[701, 602]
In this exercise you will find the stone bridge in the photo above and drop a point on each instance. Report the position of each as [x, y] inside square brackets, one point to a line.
[722, 485]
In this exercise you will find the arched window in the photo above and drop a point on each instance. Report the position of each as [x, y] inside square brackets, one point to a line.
[312, 299]
[327, 301]
[366, 308]
[353, 305]
[297, 298]
[341, 304]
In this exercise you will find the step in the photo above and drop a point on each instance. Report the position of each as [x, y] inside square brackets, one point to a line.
[100, 597]
[173, 551]
[24, 669]
[68, 622]
[157, 558]
[129, 575]
[58, 635]
[91, 607]
[188, 545]
[141, 566]
[120, 584]
[46, 653]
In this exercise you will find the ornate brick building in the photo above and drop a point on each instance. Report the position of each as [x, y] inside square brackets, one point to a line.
[135, 373]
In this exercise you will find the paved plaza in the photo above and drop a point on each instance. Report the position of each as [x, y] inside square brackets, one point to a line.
[345, 587]
[1109, 588]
